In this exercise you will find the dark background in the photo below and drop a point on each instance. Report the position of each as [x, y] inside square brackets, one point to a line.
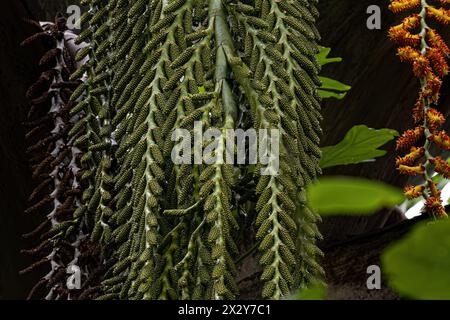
[382, 95]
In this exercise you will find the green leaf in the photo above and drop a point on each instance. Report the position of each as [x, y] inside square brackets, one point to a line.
[330, 94]
[322, 56]
[316, 292]
[330, 84]
[352, 196]
[360, 144]
[418, 265]
[330, 88]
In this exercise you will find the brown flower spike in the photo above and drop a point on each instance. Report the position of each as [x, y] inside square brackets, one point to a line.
[427, 52]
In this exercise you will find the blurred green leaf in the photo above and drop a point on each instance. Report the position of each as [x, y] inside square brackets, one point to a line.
[317, 292]
[418, 266]
[352, 196]
[360, 144]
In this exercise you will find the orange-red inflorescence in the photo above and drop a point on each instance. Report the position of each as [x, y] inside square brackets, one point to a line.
[441, 139]
[434, 190]
[435, 119]
[427, 52]
[402, 32]
[441, 166]
[434, 207]
[442, 15]
[409, 138]
[412, 192]
[403, 5]
[410, 158]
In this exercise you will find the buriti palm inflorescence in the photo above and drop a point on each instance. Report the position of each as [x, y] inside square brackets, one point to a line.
[56, 169]
[424, 48]
[176, 231]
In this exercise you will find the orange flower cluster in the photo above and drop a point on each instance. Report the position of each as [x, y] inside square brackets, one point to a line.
[410, 158]
[411, 171]
[412, 192]
[441, 139]
[433, 203]
[403, 5]
[409, 138]
[435, 119]
[426, 51]
[435, 41]
[442, 15]
[441, 166]
[435, 208]
[401, 33]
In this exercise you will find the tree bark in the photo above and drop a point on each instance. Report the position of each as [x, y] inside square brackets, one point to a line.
[346, 263]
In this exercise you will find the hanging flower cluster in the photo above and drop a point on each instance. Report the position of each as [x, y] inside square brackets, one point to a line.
[425, 49]
[61, 238]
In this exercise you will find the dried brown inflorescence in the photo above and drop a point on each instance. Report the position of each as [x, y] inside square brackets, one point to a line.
[55, 164]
